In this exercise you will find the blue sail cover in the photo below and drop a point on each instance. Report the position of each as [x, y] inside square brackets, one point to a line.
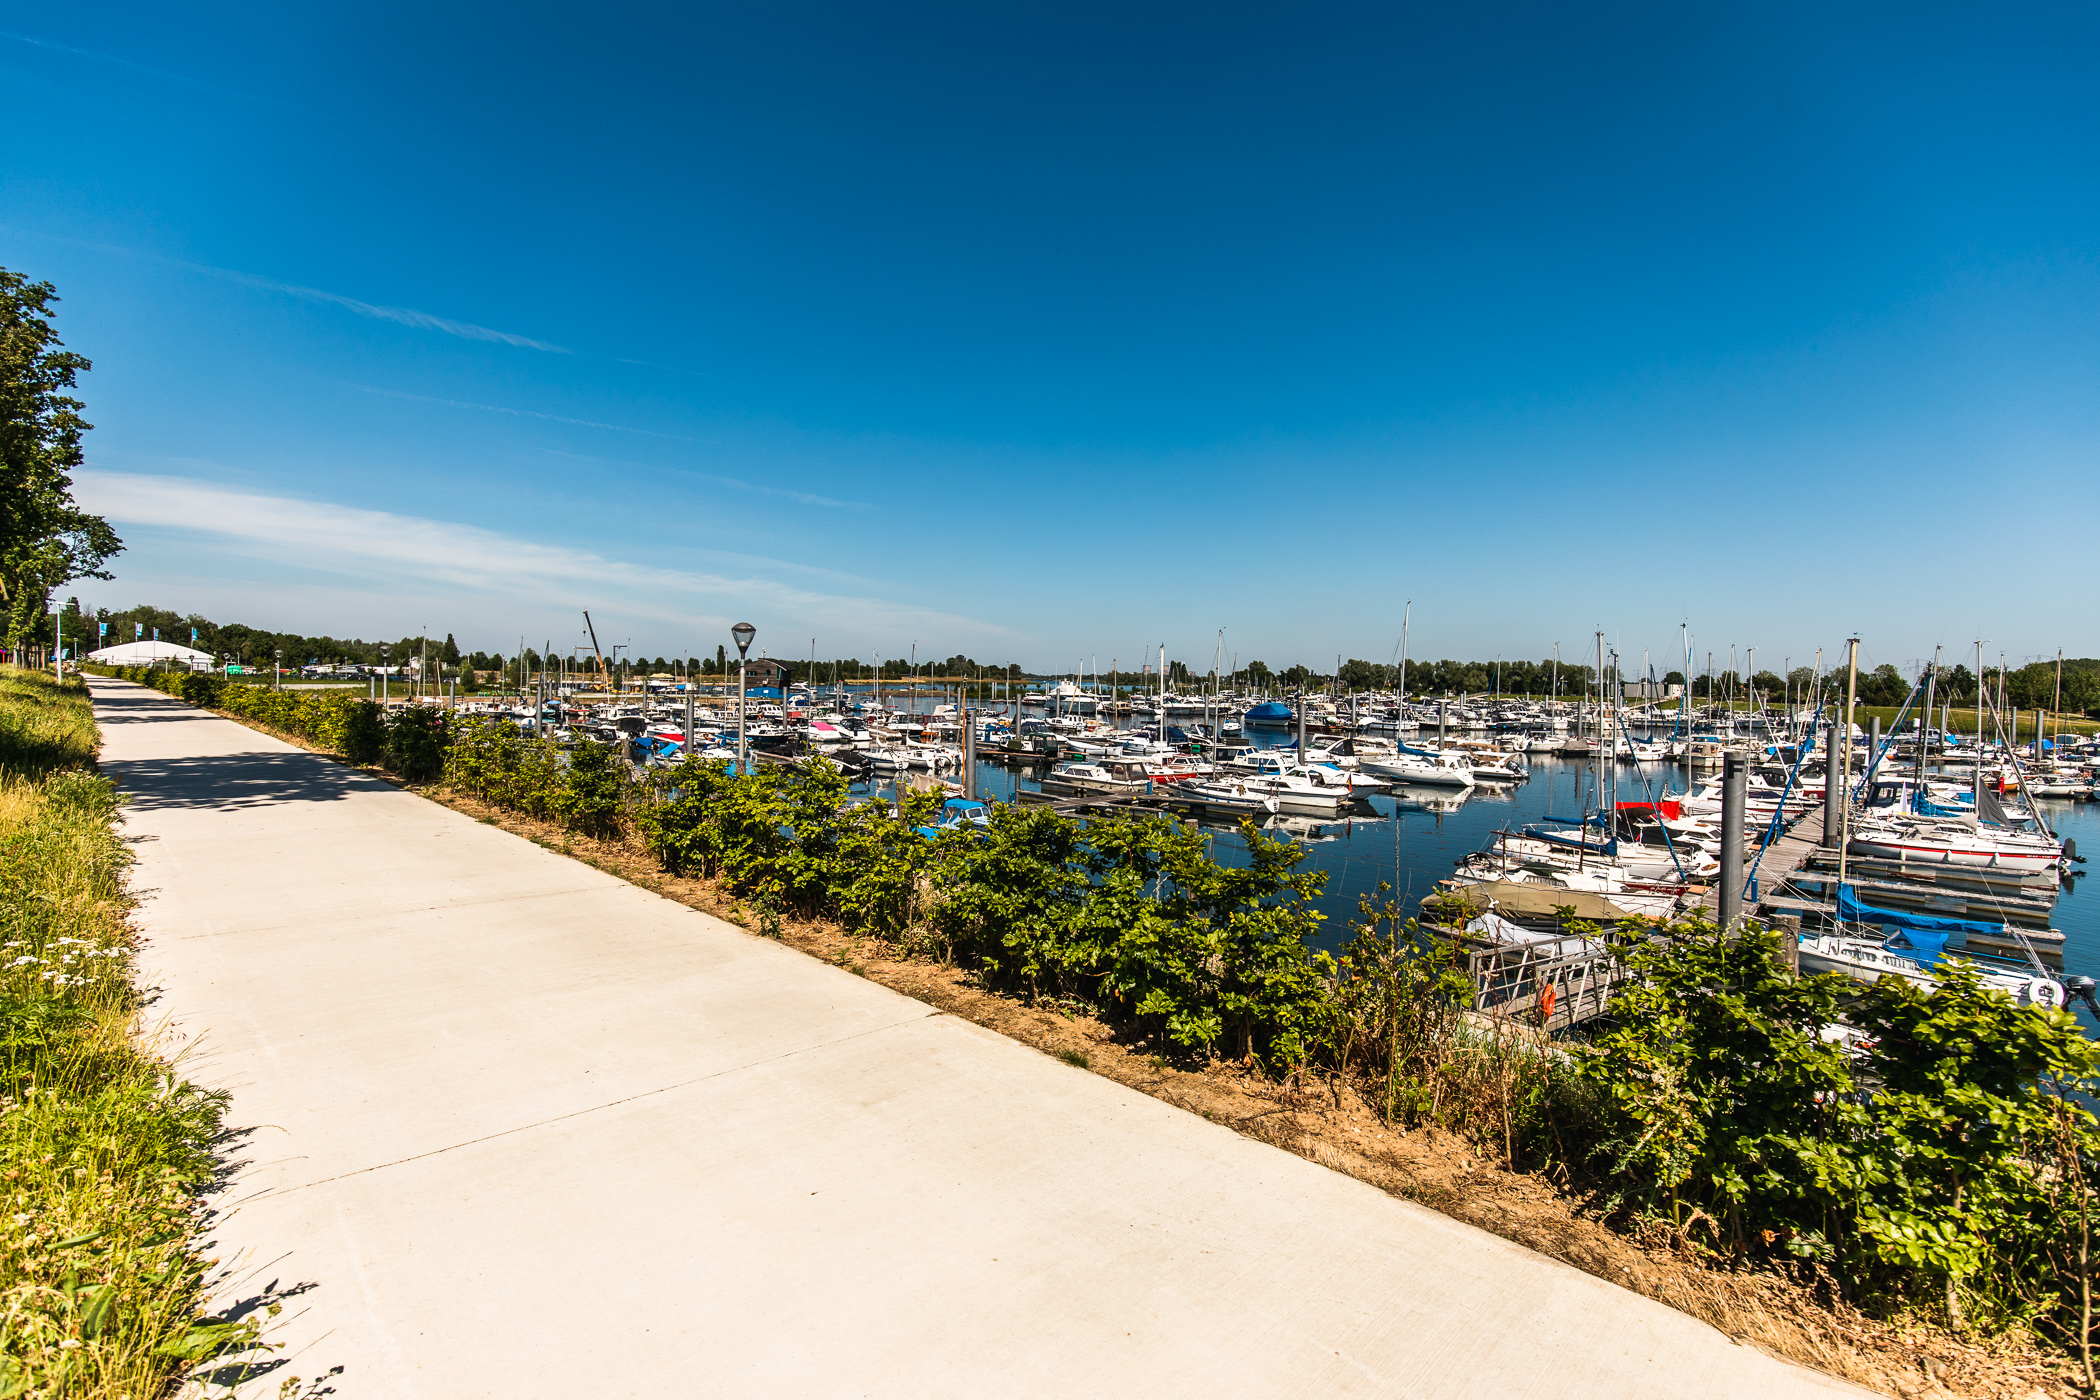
[1924, 808]
[1923, 932]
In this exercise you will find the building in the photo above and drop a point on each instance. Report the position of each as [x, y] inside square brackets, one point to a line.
[764, 671]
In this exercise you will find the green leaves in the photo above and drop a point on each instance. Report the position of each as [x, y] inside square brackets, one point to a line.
[1933, 1161]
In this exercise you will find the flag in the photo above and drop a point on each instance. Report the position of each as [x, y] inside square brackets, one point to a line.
[138, 630]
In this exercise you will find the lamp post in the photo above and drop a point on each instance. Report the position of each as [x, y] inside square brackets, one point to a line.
[743, 632]
[278, 657]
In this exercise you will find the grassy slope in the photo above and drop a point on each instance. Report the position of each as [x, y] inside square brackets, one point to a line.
[103, 1149]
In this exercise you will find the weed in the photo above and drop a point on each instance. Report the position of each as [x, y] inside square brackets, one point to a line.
[1076, 1058]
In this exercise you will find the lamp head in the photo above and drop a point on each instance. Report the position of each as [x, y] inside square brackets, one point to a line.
[743, 632]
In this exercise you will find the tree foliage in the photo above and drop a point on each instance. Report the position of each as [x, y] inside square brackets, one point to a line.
[45, 538]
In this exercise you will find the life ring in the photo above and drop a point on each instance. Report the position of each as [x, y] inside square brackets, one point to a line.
[2042, 991]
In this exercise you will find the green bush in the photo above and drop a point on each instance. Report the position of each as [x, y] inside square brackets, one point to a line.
[362, 732]
[415, 742]
[1944, 1162]
[592, 798]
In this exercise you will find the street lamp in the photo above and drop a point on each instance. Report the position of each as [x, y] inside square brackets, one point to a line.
[743, 632]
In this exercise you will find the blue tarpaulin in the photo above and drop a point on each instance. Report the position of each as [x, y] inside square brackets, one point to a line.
[1923, 932]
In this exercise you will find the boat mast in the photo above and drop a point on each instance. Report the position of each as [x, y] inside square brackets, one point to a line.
[1404, 618]
[1976, 784]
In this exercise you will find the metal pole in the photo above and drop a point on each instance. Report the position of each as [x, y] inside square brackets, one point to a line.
[689, 716]
[743, 754]
[1845, 791]
[1733, 784]
[1837, 755]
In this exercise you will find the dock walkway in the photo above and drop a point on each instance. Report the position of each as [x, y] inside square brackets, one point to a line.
[520, 1129]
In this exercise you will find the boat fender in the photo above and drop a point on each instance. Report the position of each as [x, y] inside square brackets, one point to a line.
[2043, 992]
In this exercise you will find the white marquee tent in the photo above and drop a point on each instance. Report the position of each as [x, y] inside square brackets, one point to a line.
[146, 653]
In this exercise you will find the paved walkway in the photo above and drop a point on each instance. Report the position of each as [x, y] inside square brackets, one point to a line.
[530, 1131]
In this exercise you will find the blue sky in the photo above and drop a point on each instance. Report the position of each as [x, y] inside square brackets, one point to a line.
[1048, 332]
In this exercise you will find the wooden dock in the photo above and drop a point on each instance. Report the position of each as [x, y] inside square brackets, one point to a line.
[1776, 864]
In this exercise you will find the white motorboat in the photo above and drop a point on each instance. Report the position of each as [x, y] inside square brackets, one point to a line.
[1227, 795]
[1113, 777]
[1428, 770]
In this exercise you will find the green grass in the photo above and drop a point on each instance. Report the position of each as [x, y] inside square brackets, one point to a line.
[1962, 720]
[104, 1150]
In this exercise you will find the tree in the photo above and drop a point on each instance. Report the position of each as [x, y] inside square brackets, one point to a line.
[45, 538]
[450, 655]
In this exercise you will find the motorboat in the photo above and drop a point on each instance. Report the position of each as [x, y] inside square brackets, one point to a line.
[1179, 768]
[1421, 768]
[1114, 777]
[1227, 794]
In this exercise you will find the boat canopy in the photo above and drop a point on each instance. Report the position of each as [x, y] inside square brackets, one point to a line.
[1925, 934]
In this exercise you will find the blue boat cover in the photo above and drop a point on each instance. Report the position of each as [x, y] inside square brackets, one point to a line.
[1923, 932]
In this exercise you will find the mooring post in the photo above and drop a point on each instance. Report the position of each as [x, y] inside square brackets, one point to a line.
[1837, 766]
[1733, 784]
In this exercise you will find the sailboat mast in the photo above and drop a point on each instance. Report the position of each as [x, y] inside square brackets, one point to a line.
[1405, 617]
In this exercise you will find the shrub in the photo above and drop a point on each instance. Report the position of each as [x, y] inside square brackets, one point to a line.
[1943, 1162]
[415, 742]
[591, 799]
[362, 732]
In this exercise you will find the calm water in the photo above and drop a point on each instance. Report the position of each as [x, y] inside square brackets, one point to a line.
[1413, 838]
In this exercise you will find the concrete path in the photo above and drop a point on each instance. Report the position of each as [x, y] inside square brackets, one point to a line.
[530, 1131]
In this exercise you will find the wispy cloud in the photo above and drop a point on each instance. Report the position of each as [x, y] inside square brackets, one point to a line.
[400, 315]
[111, 59]
[517, 412]
[396, 549]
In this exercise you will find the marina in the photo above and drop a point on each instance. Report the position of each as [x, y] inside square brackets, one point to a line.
[1492, 820]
